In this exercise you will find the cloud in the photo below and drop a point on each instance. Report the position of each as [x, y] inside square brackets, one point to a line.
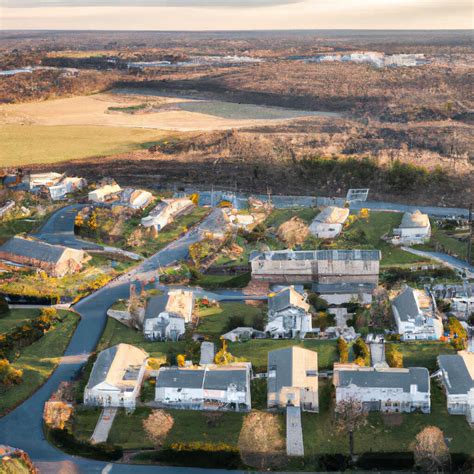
[142, 3]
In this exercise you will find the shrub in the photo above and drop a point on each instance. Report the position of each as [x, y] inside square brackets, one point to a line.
[9, 375]
[157, 426]
[362, 352]
[4, 309]
[393, 356]
[343, 349]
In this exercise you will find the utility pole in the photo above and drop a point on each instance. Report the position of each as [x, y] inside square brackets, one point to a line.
[471, 236]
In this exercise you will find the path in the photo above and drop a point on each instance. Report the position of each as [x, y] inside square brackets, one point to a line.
[377, 354]
[294, 432]
[103, 426]
[448, 260]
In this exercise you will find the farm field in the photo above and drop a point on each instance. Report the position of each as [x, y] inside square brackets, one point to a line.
[38, 362]
[34, 144]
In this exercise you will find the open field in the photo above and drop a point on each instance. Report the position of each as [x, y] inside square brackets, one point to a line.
[38, 362]
[34, 144]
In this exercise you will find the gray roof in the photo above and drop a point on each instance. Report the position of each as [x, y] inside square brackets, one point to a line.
[221, 379]
[280, 360]
[387, 378]
[207, 353]
[456, 376]
[365, 255]
[180, 378]
[343, 287]
[280, 301]
[102, 366]
[33, 249]
[406, 304]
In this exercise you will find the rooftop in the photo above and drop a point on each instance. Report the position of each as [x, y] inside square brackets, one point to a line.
[365, 255]
[285, 298]
[385, 378]
[415, 219]
[34, 249]
[332, 215]
[458, 372]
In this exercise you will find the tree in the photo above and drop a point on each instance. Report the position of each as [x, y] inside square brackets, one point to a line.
[362, 352]
[9, 375]
[393, 356]
[343, 349]
[350, 416]
[157, 426]
[364, 213]
[430, 450]
[3, 305]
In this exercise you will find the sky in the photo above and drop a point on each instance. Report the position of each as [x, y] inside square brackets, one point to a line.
[235, 14]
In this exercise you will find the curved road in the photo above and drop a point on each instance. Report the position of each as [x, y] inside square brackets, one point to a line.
[23, 427]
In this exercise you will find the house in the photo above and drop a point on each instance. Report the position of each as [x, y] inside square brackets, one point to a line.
[322, 266]
[241, 334]
[104, 193]
[388, 390]
[328, 223]
[292, 378]
[66, 186]
[456, 372]
[55, 260]
[170, 324]
[415, 316]
[288, 314]
[136, 198]
[460, 297]
[181, 302]
[214, 387]
[165, 327]
[166, 212]
[116, 377]
[39, 180]
[415, 228]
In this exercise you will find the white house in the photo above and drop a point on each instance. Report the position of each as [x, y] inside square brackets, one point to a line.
[389, 390]
[243, 334]
[415, 228]
[116, 377]
[104, 193]
[457, 376]
[214, 387]
[66, 186]
[166, 211]
[292, 378]
[328, 223]
[415, 316]
[38, 180]
[288, 314]
[165, 327]
[136, 198]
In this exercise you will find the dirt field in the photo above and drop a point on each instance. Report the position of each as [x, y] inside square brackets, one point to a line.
[164, 113]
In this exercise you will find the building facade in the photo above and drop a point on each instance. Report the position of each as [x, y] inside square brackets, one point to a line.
[381, 389]
[415, 316]
[415, 228]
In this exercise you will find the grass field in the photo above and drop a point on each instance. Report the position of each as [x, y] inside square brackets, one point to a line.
[278, 216]
[423, 354]
[256, 350]
[382, 433]
[213, 321]
[11, 227]
[29, 144]
[15, 317]
[38, 362]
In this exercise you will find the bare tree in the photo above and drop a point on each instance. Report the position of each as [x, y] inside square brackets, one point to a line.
[157, 426]
[430, 450]
[350, 416]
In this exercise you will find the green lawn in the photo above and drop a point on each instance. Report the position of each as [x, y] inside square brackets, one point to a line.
[38, 361]
[15, 317]
[382, 433]
[256, 350]
[116, 333]
[423, 354]
[213, 282]
[213, 321]
[378, 225]
[52, 144]
[444, 241]
[11, 227]
[189, 426]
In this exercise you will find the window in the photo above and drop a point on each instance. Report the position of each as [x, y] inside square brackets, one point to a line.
[311, 373]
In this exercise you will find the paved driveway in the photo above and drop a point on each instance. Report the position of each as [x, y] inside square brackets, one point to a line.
[294, 432]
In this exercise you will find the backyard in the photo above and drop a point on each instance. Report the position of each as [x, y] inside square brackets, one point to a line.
[383, 433]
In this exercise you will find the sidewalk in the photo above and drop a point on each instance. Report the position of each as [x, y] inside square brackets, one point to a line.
[294, 432]
[103, 426]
